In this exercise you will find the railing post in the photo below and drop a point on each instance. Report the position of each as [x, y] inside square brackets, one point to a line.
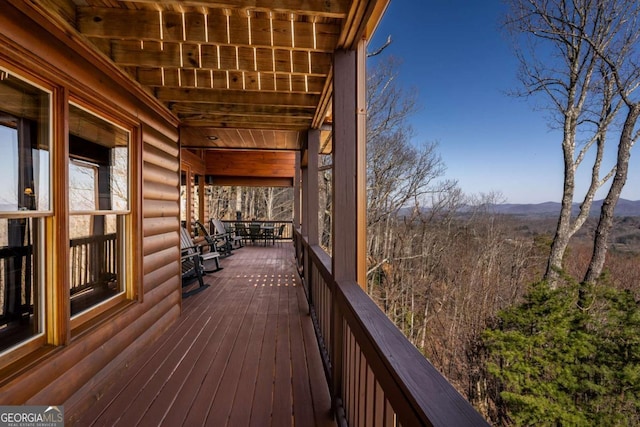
[308, 276]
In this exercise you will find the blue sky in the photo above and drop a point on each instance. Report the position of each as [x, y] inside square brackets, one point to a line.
[455, 55]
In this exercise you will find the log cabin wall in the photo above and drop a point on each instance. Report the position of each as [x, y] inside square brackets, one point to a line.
[72, 371]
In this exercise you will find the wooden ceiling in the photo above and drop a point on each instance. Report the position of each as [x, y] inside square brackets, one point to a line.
[238, 74]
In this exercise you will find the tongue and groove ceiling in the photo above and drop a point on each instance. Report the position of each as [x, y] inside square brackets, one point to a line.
[251, 74]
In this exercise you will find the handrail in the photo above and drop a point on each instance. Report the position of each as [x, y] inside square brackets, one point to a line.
[287, 232]
[376, 376]
[93, 263]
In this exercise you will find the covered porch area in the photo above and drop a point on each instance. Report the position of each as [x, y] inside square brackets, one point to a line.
[243, 353]
[230, 93]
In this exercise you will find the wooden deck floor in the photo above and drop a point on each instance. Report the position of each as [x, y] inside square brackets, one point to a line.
[242, 354]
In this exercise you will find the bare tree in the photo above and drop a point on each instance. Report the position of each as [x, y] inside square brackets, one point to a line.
[400, 175]
[325, 183]
[388, 104]
[621, 64]
[561, 46]
[263, 203]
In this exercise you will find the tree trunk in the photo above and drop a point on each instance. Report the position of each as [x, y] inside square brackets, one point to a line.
[326, 215]
[238, 201]
[603, 230]
[563, 230]
[269, 201]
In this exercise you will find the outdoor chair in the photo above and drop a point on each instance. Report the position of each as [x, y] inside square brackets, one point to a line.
[228, 234]
[255, 233]
[280, 233]
[242, 231]
[191, 262]
[217, 243]
[268, 234]
[234, 236]
[190, 249]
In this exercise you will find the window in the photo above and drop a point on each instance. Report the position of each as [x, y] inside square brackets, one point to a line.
[40, 282]
[25, 168]
[190, 209]
[98, 209]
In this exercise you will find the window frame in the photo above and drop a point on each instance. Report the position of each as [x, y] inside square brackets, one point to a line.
[40, 258]
[125, 222]
[58, 329]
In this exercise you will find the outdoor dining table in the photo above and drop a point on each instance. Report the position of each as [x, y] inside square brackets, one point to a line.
[267, 232]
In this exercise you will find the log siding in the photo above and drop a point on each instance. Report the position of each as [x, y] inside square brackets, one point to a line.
[75, 371]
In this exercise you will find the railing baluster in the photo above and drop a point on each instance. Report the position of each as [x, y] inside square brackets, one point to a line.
[337, 357]
[362, 391]
[350, 375]
[379, 405]
[92, 259]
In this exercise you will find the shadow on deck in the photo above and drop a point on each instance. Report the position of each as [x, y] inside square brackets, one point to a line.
[243, 353]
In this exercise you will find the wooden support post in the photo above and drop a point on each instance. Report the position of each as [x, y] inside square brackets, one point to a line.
[305, 201]
[57, 303]
[312, 187]
[311, 200]
[296, 193]
[349, 162]
[203, 214]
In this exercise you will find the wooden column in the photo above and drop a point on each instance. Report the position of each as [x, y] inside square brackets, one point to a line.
[186, 170]
[57, 303]
[203, 214]
[296, 192]
[305, 201]
[312, 185]
[349, 163]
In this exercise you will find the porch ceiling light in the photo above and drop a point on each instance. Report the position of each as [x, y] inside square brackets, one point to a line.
[212, 138]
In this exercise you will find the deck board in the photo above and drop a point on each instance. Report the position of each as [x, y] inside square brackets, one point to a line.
[282, 405]
[242, 353]
[302, 398]
[145, 368]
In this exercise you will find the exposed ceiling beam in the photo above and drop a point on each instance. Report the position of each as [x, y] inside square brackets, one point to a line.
[186, 108]
[242, 138]
[246, 122]
[194, 55]
[237, 97]
[333, 8]
[252, 181]
[235, 80]
[207, 29]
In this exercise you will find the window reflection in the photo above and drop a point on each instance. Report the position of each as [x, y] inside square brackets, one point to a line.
[24, 144]
[98, 197]
[24, 194]
[20, 297]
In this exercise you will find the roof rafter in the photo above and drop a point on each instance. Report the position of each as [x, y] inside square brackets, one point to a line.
[204, 28]
[217, 96]
[246, 122]
[332, 9]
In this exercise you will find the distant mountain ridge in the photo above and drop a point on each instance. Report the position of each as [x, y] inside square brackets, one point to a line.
[623, 208]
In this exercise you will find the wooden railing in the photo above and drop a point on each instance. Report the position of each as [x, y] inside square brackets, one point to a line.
[93, 266]
[15, 273]
[287, 233]
[93, 262]
[375, 375]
